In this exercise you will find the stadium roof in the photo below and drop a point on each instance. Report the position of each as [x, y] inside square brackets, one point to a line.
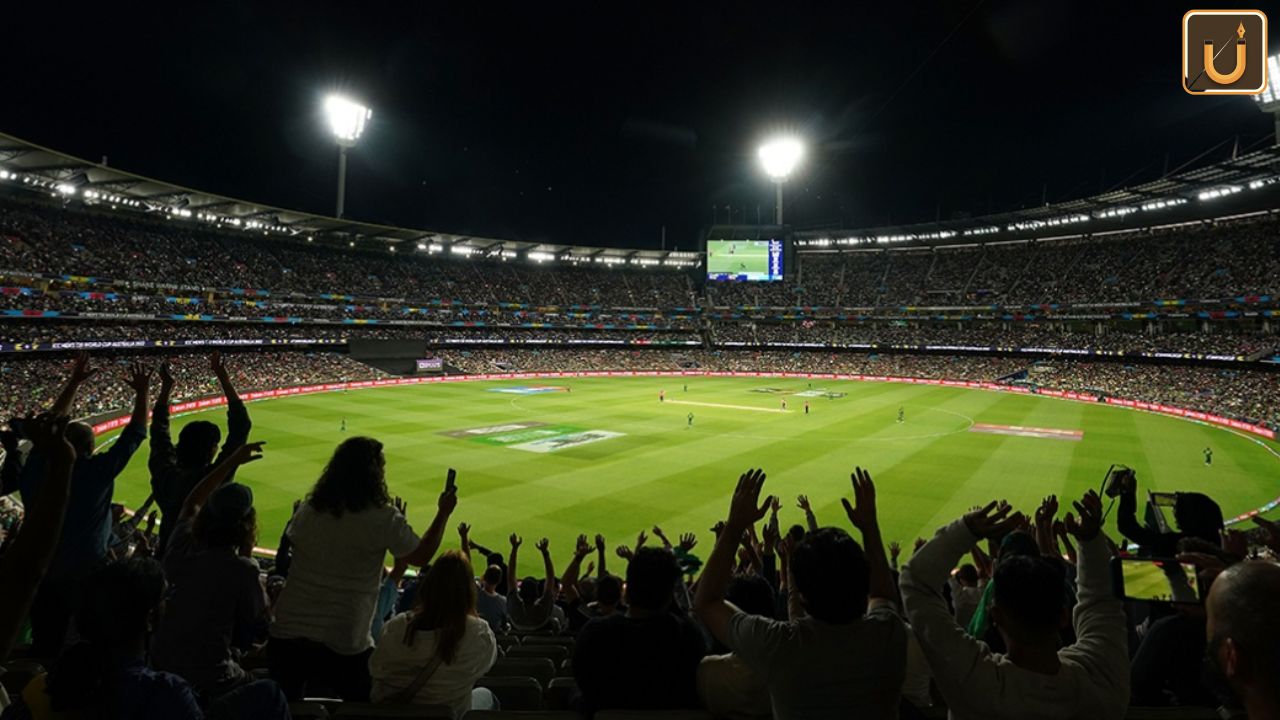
[99, 184]
[1242, 184]
[1247, 183]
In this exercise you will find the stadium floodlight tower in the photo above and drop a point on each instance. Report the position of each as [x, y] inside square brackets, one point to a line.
[1269, 99]
[347, 119]
[779, 158]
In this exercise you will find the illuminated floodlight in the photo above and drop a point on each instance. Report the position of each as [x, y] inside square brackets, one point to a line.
[779, 157]
[346, 118]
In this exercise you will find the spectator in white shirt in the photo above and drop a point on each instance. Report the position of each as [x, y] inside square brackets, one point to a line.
[341, 536]
[443, 629]
[1088, 680]
[845, 653]
[1243, 634]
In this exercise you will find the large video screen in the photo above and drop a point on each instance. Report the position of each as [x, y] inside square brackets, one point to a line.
[744, 259]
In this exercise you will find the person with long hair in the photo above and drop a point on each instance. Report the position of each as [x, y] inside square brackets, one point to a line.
[444, 631]
[340, 538]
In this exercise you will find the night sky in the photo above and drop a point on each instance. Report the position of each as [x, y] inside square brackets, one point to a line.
[593, 124]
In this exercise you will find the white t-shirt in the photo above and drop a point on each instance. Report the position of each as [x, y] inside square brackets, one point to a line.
[394, 665]
[333, 584]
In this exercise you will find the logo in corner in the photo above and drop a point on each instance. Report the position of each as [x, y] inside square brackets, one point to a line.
[1224, 52]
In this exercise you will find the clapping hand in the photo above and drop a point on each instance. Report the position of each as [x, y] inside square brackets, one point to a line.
[464, 535]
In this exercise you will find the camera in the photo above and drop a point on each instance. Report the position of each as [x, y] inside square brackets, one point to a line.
[1119, 479]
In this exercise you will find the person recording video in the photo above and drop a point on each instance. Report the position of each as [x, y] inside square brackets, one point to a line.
[1195, 514]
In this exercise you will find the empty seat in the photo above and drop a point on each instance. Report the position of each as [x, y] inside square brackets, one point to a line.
[540, 669]
[555, 653]
[560, 692]
[379, 711]
[514, 693]
[308, 710]
[506, 641]
[566, 669]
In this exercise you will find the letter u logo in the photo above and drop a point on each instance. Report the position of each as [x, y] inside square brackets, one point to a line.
[1241, 61]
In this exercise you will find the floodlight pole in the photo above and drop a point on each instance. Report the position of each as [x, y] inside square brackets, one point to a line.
[342, 179]
[778, 216]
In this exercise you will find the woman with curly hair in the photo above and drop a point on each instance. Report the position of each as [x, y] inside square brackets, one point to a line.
[340, 537]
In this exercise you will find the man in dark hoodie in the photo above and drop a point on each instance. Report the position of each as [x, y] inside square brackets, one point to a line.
[176, 470]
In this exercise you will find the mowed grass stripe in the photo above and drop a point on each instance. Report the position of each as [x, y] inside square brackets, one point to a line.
[929, 469]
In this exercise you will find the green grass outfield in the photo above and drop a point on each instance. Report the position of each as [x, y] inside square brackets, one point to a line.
[928, 470]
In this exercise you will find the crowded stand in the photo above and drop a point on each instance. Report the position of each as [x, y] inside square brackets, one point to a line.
[1003, 613]
[792, 615]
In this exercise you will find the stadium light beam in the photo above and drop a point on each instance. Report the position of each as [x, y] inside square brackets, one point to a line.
[347, 119]
[779, 158]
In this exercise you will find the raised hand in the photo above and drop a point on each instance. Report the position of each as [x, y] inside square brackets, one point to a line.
[625, 553]
[216, 364]
[516, 541]
[641, 539]
[717, 528]
[862, 512]
[398, 502]
[543, 545]
[464, 534]
[591, 568]
[776, 505]
[919, 543]
[138, 377]
[769, 538]
[1048, 510]
[599, 542]
[1090, 522]
[247, 453]
[583, 548]
[657, 532]
[994, 520]
[165, 374]
[745, 510]
[802, 502]
[447, 502]
[80, 370]
[687, 542]
[1273, 532]
[895, 549]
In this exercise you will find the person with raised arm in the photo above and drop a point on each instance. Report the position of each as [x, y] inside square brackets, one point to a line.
[216, 606]
[26, 560]
[176, 469]
[86, 533]
[845, 654]
[1088, 680]
[532, 605]
[341, 536]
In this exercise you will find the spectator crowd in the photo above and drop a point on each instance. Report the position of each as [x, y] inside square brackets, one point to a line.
[1003, 613]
